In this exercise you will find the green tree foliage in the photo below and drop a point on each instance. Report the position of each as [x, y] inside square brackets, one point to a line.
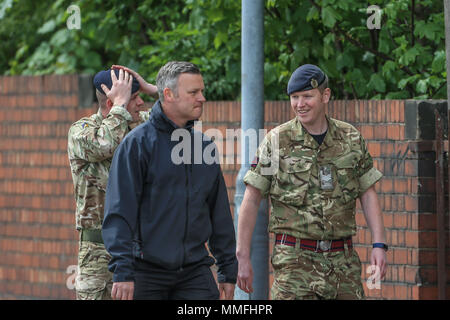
[404, 58]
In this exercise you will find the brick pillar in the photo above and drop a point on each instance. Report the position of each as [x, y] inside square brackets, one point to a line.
[400, 137]
[420, 132]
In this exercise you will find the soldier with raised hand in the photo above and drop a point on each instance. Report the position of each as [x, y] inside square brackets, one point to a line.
[322, 166]
[91, 145]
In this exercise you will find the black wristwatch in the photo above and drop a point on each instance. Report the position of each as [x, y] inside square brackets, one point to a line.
[380, 245]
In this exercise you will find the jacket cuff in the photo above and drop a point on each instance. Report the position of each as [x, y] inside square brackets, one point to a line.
[122, 277]
[118, 110]
[257, 181]
[227, 274]
[369, 179]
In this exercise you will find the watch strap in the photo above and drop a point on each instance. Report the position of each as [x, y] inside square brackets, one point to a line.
[380, 245]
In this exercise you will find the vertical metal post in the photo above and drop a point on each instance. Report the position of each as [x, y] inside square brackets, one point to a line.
[440, 207]
[252, 115]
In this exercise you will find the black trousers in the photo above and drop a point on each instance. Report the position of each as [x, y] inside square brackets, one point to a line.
[190, 283]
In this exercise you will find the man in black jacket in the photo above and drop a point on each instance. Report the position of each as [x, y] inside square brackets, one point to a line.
[160, 213]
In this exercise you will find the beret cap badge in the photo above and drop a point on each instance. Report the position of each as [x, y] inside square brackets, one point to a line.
[314, 83]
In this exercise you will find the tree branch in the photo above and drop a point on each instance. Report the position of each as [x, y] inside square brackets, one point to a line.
[434, 93]
[364, 47]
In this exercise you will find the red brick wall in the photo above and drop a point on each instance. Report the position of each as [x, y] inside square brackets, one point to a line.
[37, 234]
[38, 241]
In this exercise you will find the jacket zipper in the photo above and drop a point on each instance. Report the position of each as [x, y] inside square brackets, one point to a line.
[187, 216]
[186, 165]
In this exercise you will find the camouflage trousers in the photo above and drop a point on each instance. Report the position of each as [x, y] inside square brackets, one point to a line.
[93, 281]
[303, 274]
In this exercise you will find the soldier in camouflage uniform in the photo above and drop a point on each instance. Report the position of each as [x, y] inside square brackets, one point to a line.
[91, 144]
[313, 168]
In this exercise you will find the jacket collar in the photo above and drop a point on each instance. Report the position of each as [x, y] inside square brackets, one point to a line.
[162, 122]
[299, 133]
[98, 117]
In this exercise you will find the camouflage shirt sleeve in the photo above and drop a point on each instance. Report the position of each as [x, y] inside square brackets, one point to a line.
[260, 173]
[93, 142]
[368, 175]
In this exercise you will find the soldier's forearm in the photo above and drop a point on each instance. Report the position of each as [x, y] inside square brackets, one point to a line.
[373, 215]
[246, 222]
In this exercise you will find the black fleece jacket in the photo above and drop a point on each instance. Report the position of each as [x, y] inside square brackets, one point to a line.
[163, 210]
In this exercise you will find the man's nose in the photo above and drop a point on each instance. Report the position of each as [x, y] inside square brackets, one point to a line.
[201, 97]
[139, 101]
[300, 102]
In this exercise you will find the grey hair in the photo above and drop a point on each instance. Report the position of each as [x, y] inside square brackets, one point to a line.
[168, 75]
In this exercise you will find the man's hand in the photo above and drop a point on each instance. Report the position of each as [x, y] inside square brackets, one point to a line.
[120, 92]
[122, 290]
[146, 87]
[245, 275]
[372, 212]
[246, 224]
[378, 258]
[226, 291]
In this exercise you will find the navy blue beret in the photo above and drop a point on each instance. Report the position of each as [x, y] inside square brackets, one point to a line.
[305, 77]
[104, 77]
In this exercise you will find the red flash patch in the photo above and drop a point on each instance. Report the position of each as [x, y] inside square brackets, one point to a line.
[255, 162]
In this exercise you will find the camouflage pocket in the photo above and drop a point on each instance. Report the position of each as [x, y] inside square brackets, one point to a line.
[292, 181]
[93, 258]
[93, 277]
[284, 257]
[346, 178]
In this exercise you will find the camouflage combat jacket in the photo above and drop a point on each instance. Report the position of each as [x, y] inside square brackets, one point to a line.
[91, 145]
[313, 189]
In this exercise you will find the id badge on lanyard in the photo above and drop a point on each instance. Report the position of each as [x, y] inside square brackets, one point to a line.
[326, 177]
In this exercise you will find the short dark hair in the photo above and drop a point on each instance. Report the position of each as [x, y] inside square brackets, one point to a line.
[323, 85]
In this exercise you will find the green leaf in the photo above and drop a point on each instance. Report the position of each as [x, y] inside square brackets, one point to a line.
[313, 14]
[344, 61]
[410, 56]
[402, 83]
[330, 16]
[60, 37]
[421, 86]
[397, 95]
[438, 64]
[436, 82]
[270, 74]
[49, 26]
[427, 29]
[220, 38]
[377, 83]
[389, 67]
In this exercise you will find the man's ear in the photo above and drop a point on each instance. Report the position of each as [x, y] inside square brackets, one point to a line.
[109, 103]
[168, 94]
[326, 95]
